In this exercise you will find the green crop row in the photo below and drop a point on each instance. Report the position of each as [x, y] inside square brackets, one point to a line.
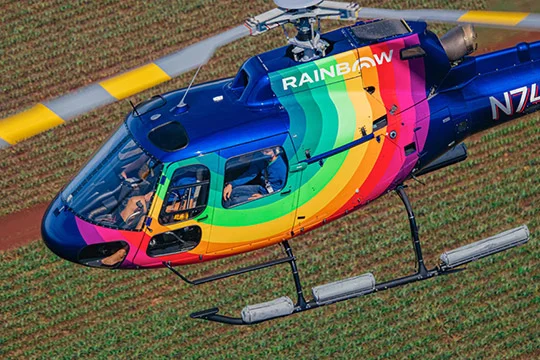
[55, 309]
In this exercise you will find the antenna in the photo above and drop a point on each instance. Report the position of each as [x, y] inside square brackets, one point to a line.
[182, 106]
[134, 108]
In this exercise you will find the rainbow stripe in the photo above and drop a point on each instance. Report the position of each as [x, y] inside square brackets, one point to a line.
[325, 112]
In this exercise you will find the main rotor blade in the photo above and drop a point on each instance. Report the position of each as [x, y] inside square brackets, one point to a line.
[500, 19]
[54, 112]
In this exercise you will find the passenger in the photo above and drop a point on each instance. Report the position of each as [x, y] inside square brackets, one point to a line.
[115, 258]
[269, 176]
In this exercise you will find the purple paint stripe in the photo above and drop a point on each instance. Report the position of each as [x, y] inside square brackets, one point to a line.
[419, 93]
[88, 232]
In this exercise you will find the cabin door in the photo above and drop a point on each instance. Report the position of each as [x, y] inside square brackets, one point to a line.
[182, 213]
[257, 198]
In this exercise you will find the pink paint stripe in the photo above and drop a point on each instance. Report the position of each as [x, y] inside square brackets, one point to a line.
[404, 100]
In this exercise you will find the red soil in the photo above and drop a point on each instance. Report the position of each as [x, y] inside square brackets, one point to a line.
[23, 227]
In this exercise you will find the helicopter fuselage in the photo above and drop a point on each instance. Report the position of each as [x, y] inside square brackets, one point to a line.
[348, 128]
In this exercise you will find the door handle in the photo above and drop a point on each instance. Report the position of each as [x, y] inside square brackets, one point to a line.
[202, 218]
[298, 167]
[285, 192]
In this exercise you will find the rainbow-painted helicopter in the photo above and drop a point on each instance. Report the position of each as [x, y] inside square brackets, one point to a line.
[303, 135]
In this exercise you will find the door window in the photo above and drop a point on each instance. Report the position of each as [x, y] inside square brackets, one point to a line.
[187, 195]
[254, 175]
[173, 242]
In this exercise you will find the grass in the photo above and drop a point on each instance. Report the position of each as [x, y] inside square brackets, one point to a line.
[55, 309]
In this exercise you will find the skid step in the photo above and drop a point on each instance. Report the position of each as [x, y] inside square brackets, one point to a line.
[264, 311]
[486, 247]
[338, 290]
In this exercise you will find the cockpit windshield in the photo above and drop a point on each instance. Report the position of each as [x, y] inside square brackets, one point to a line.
[116, 187]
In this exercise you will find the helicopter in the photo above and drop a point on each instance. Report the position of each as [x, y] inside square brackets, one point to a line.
[303, 135]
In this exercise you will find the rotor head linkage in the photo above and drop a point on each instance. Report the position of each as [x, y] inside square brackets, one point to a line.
[307, 45]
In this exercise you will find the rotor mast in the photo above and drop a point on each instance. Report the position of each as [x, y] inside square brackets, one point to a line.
[303, 14]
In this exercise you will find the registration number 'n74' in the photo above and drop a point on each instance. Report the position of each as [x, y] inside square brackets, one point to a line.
[523, 96]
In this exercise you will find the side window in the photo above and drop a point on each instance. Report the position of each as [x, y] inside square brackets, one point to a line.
[254, 175]
[173, 242]
[187, 195]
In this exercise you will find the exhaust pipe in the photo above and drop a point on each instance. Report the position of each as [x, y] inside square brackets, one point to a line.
[486, 247]
[459, 42]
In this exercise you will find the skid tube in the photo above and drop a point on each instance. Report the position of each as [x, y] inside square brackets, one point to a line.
[356, 286]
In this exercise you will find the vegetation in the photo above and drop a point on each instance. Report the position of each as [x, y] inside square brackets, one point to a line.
[52, 308]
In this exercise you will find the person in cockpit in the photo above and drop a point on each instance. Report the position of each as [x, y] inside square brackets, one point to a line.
[262, 178]
[135, 210]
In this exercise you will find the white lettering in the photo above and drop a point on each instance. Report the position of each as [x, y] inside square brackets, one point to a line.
[316, 75]
[384, 57]
[366, 62]
[340, 69]
[305, 79]
[343, 69]
[534, 94]
[507, 108]
[524, 97]
[290, 81]
[325, 72]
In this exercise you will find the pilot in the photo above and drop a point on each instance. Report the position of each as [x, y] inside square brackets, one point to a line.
[138, 168]
[269, 177]
[135, 210]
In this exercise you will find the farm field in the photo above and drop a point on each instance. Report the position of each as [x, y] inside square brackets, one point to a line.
[55, 309]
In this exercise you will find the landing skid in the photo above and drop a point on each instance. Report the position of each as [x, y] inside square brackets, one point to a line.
[360, 285]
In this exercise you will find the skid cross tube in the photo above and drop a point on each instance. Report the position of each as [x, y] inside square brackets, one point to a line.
[228, 273]
[421, 274]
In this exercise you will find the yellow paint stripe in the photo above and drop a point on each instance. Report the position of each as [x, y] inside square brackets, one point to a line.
[28, 123]
[493, 17]
[135, 81]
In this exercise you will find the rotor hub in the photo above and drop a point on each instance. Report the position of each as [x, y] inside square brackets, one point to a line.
[296, 4]
[303, 14]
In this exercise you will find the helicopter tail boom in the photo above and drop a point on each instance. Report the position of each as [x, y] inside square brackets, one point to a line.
[505, 85]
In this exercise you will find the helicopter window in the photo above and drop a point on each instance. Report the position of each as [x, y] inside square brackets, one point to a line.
[187, 195]
[412, 53]
[255, 175]
[376, 30]
[115, 188]
[380, 123]
[169, 137]
[410, 149]
[174, 242]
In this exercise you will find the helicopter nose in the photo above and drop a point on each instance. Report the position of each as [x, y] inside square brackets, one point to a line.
[59, 231]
